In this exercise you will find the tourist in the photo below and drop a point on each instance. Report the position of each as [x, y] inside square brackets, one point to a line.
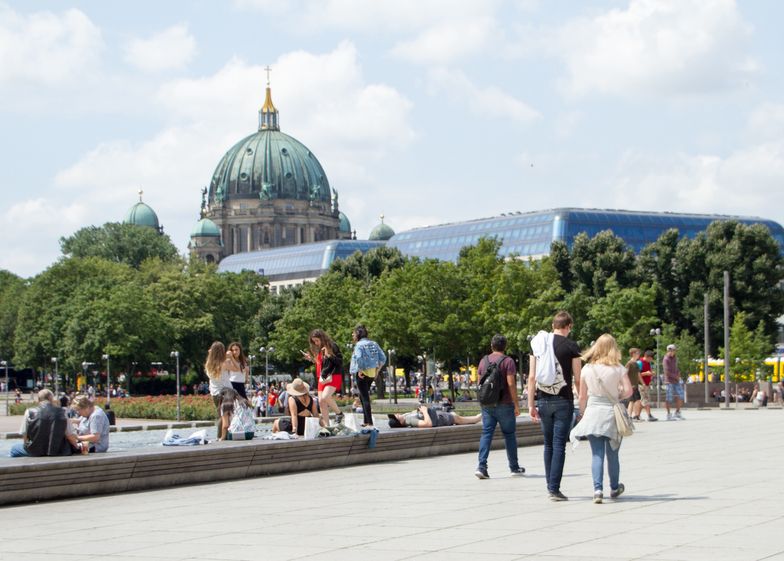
[260, 403]
[553, 405]
[237, 367]
[426, 417]
[300, 405]
[672, 377]
[633, 372]
[45, 430]
[236, 418]
[93, 428]
[218, 377]
[504, 413]
[282, 424]
[366, 360]
[646, 377]
[325, 353]
[604, 381]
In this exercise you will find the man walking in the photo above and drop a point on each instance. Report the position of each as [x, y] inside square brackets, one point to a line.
[554, 403]
[646, 376]
[504, 413]
[633, 372]
[672, 377]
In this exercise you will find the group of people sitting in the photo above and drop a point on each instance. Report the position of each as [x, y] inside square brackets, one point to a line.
[47, 429]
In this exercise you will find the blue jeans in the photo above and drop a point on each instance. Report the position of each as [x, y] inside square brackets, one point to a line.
[556, 416]
[504, 416]
[600, 446]
[18, 451]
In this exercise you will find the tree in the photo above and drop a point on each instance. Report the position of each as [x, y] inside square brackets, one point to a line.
[748, 349]
[12, 289]
[594, 260]
[626, 313]
[119, 243]
[371, 265]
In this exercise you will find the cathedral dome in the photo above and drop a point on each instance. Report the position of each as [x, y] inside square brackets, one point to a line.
[381, 232]
[205, 228]
[141, 214]
[345, 225]
[269, 165]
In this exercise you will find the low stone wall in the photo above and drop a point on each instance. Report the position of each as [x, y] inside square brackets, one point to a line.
[27, 480]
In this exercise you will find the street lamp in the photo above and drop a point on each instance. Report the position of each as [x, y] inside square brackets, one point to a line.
[176, 355]
[656, 333]
[106, 357]
[251, 358]
[85, 366]
[56, 377]
[4, 363]
[266, 351]
[391, 354]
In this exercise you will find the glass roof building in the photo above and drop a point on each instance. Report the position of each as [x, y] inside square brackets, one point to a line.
[531, 233]
[294, 264]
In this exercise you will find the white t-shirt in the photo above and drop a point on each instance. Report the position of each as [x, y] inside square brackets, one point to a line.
[611, 377]
[217, 384]
[236, 376]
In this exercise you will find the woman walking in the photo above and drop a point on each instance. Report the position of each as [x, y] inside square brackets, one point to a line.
[604, 382]
[218, 376]
[325, 353]
[366, 359]
[237, 366]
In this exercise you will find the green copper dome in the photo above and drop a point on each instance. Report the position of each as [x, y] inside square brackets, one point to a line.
[345, 225]
[142, 215]
[205, 228]
[268, 165]
[382, 232]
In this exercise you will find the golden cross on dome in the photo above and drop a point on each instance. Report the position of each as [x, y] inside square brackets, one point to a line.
[267, 69]
[382, 217]
[140, 195]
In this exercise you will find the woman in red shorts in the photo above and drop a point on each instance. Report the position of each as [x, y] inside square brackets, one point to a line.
[326, 355]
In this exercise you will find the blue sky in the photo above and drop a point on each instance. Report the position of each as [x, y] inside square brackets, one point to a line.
[425, 111]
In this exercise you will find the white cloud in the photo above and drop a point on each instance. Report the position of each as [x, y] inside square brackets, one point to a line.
[657, 47]
[766, 122]
[171, 49]
[47, 48]
[448, 41]
[488, 101]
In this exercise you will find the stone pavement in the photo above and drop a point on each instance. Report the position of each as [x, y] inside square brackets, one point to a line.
[705, 488]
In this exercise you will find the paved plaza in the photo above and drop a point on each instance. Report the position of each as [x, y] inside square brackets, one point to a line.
[705, 488]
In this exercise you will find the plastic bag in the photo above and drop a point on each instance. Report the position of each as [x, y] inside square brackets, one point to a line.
[350, 422]
[312, 427]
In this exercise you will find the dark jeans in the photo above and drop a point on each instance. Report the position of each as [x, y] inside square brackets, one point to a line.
[556, 415]
[363, 385]
[504, 416]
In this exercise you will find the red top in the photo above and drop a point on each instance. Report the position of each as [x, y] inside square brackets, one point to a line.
[645, 367]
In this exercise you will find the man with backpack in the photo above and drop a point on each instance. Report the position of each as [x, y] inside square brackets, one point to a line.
[555, 365]
[498, 398]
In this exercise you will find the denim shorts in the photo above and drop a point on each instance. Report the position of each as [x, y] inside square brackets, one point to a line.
[674, 390]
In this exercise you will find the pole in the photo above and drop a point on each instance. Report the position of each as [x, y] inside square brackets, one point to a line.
[177, 356]
[108, 378]
[7, 406]
[658, 371]
[706, 349]
[56, 377]
[727, 339]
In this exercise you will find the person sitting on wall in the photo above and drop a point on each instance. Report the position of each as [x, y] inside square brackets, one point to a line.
[45, 430]
[93, 429]
[237, 421]
[427, 417]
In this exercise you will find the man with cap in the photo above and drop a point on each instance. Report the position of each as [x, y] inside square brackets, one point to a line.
[426, 417]
[672, 377]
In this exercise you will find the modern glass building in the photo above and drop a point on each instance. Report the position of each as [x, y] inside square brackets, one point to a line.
[294, 264]
[531, 233]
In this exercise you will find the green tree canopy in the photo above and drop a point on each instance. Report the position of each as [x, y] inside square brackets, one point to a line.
[119, 243]
[12, 289]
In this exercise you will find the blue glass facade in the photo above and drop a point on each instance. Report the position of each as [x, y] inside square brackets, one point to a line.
[295, 261]
[530, 234]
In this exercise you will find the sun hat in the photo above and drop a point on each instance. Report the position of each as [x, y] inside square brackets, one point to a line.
[297, 387]
[672, 348]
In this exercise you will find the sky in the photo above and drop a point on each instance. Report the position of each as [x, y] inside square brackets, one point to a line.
[425, 111]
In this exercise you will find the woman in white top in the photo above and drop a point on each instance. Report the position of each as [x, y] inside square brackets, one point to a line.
[218, 377]
[236, 366]
[603, 382]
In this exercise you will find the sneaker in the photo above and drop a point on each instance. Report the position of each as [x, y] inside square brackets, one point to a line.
[481, 473]
[669, 416]
[615, 493]
[598, 496]
[558, 496]
[518, 471]
[636, 418]
[679, 416]
[651, 418]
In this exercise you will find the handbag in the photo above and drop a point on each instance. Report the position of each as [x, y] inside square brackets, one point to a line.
[623, 422]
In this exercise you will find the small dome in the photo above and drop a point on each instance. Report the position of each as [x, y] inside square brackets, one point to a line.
[382, 232]
[205, 228]
[345, 225]
[142, 214]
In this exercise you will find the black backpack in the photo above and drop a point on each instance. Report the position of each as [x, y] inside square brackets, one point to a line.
[491, 383]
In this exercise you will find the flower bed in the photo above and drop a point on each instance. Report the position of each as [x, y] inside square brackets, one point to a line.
[192, 407]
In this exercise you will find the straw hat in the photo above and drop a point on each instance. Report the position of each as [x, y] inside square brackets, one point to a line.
[297, 387]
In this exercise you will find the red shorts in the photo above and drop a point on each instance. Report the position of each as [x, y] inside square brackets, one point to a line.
[337, 382]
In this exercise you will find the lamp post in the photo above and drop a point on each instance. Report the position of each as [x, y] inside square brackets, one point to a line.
[85, 366]
[266, 351]
[4, 363]
[107, 358]
[656, 333]
[391, 355]
[56, 376]
[251, 358]
[176, 355]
